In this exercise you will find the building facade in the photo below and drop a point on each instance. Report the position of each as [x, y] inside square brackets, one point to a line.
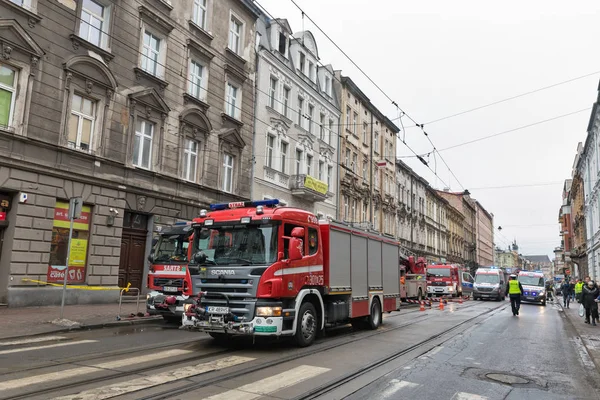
[297, 120]
[589, 168]
[506, 258]
[411, 192]
[144, 109]
[485, 236]
[577, 198]
[566, 229]
[367, 170]
[463, 202]
[436, 226]
[456, 235]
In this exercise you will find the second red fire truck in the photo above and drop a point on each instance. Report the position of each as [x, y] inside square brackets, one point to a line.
[279, 271]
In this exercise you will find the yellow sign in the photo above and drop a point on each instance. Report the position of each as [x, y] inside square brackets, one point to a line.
[61, 217]
[78, 252]
[315, 184]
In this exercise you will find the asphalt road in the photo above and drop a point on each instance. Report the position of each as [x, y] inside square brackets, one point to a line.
[435, 354]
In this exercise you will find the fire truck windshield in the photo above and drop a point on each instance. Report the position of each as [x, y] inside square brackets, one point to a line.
[438, 272]
[240, 244]
[171, 249]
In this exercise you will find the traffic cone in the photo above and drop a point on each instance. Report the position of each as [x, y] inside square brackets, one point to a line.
[422, 308]
[441, 304]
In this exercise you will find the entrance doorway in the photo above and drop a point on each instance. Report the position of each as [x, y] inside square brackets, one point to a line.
[133, 250]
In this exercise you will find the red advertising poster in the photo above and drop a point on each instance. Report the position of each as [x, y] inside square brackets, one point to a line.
[56, 275]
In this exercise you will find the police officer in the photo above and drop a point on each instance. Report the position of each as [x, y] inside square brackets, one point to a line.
[515, 290]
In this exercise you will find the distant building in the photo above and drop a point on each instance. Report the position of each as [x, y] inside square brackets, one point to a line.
[485, 236]
[463, 202]
[539, 262]
[578, 251]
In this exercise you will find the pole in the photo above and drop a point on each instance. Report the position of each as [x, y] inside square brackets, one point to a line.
[62, 304]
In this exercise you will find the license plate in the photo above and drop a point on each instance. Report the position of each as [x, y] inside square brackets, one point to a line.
[217, 310]
[485, 295]
[530, 298]
[170, 289]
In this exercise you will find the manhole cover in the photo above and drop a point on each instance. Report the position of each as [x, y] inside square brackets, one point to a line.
[509, 379]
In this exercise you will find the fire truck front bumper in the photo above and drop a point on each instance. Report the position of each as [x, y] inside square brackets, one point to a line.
[440, 290]
[158, 303]
[220, 323]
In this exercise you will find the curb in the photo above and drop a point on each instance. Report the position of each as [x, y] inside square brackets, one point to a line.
[589, 354]
[138, 321]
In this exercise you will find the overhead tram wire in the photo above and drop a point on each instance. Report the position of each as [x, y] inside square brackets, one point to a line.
[394, 103]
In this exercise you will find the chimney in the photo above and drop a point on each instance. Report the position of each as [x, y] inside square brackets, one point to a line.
[446, 189]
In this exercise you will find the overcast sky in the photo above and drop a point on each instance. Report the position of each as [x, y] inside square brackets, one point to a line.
[438, 58]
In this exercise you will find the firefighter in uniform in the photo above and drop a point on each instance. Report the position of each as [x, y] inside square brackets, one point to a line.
[515, 290]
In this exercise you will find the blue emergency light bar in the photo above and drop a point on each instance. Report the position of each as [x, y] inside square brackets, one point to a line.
[242, 204]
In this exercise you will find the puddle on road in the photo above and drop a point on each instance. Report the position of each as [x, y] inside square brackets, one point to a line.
[509, 379]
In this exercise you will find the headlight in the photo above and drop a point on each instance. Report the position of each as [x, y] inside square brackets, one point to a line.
[187, 306]
[268, 311]
[450, 289]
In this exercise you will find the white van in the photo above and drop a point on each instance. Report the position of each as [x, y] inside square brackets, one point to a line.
[490, 283]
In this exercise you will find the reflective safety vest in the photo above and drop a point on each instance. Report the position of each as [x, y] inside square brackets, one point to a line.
[513, 287]
[579, 287]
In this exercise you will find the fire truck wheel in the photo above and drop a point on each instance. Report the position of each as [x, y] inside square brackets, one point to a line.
[420, 295]
[374, 319]
[306, 326]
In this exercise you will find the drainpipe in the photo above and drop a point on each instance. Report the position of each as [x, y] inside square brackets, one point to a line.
[256, 77]
[338, 212]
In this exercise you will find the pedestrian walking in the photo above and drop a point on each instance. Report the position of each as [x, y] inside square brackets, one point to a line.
[549, 290]
[588, 298]
[515, 290]
[572, 283]
[566, 293]
[578, 290]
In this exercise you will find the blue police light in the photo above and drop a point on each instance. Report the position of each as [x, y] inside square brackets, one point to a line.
[242, 204]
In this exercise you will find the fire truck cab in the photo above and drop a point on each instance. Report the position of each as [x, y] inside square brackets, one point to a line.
[279, 271]
[444, 280]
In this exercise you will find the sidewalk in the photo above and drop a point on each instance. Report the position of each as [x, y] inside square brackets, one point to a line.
[590, 335]
[28, 321]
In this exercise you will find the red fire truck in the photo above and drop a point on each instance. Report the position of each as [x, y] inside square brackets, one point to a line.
[169, 279]
[279, 271]
[413, 281]
[444, 280]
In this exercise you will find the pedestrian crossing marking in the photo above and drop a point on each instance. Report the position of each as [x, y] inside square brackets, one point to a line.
[31, 340]
[396, 385]
[48, 346]
[468, 396]
[134, 385]
[84, 370]
[271, 384]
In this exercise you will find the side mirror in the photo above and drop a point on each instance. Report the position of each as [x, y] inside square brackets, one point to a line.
[296, 248]
[298, 233]
[200, 257]
[151, 258]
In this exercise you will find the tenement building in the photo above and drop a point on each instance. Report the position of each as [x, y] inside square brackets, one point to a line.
[142, 108]
[411, 192]
[297, 120]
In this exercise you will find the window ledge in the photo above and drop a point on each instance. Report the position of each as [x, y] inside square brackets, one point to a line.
[79, 41]
[232, 54]
[188, 98]
[199, 31]
[33, 17]
[141, 73]
[227, 117]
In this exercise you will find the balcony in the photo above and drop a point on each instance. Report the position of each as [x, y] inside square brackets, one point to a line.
[309, 188]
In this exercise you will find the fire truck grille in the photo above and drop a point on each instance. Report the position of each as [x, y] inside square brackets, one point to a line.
[240, 292]
[168, 282]
[438, 284]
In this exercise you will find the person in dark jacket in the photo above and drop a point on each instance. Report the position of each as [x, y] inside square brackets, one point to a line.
[588, 299]
[566, 293]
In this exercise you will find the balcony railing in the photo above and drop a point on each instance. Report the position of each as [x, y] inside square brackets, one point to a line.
[309, 188]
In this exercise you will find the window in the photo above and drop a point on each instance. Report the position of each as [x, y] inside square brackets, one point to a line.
[309, 164]
[354, 123]
[301, 62]
[365, 130]
[300, 110]
[286, 101]
[330, 131]
[311, 71]
[227, 173]
[151, 54]
[81, 123]
[365, 169]
[376, 143]
[328, 85]
[272, 92]
[348, 112]
[311, 110]
[376, 219]
[94, 22]
[142, 143]
[354, 162]
[346, 207]
[284, 147]
[282, 43]
[322, 127]
[197, 85]
[232, 106]
[364, 211]
[190, 160]
[298, 162]
[8, 91]
[354, 210]
[377, 179]
[385, 149]
[329, 173]
[321, 167]
[347, 160]
[199, 13]
[270, 146]
[235, 35]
